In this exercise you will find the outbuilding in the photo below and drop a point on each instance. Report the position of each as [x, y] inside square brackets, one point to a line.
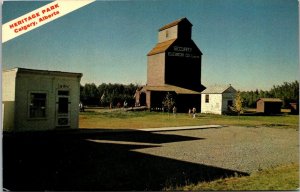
[39, 99]
[217, 99]
[269, 105]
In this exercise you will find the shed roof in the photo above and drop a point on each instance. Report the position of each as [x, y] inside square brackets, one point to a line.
[166, 87]
[219, 89]
[161, 47]
[275, 100]
[184, 19]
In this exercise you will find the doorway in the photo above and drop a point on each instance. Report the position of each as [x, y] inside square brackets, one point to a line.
[63, 108]
[229, 104]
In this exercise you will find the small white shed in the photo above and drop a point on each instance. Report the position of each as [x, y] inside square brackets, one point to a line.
[217, 99]
[39, 99]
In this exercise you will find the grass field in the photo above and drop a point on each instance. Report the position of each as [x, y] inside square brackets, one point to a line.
[284, 177]
[143, 119]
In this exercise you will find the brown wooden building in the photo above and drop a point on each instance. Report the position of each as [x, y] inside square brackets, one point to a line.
[174, 65]
[268, 105]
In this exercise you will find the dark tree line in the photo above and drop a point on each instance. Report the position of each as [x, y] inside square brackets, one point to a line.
[115, 94]
[287, 92]
[107, 94]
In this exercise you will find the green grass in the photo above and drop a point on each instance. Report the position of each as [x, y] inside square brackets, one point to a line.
[284, 177]
[145, 119]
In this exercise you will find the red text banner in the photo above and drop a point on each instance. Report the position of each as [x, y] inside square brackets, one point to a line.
[39, 17]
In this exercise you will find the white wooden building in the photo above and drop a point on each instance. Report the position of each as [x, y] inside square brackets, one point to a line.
[39, 99]
[217, 99]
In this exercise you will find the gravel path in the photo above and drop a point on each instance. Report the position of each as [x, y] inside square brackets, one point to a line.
[235, 148]
[137, 160]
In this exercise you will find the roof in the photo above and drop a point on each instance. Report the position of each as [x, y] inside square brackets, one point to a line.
[43, 72]
[274, 100]
[219, 89]
[166, 87]
[175, 23]
[161, 47]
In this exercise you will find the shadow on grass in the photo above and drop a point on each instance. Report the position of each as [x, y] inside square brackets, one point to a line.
[68, 160]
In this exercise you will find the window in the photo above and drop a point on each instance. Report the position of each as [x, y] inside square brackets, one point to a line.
[206, 98]
[167, 33]
[37, 105]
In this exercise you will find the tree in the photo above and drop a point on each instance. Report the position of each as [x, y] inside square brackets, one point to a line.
[168, 102]
[238, 104]
[287, 92]
[112, 94]
[89, 94]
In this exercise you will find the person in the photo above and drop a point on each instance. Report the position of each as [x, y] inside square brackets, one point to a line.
[194, 112]
[81, 107]
[190, 112]
[118, 105]
[125, 104]
[174, 110]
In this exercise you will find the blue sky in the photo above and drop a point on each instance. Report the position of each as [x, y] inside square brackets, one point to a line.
[247, 43]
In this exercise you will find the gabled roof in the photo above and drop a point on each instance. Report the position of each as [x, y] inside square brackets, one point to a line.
[166, 87]
[161, 47]
[219, 89]
[184, 19]
[275, 100]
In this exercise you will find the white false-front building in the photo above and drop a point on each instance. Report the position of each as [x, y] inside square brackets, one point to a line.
[40, 99]
[217, 99]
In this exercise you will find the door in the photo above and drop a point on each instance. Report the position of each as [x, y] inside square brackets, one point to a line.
[63, 108]
[229, 104]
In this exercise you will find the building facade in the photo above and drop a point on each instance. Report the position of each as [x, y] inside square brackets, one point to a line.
[174, 65]
[217, 99]
[39, 99]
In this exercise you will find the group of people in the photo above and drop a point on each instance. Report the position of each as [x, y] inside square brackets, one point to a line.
[192, 112]
[119, 105]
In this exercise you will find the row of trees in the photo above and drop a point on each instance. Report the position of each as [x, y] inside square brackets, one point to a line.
[112, 94]
[287, 92]
[107, 94]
